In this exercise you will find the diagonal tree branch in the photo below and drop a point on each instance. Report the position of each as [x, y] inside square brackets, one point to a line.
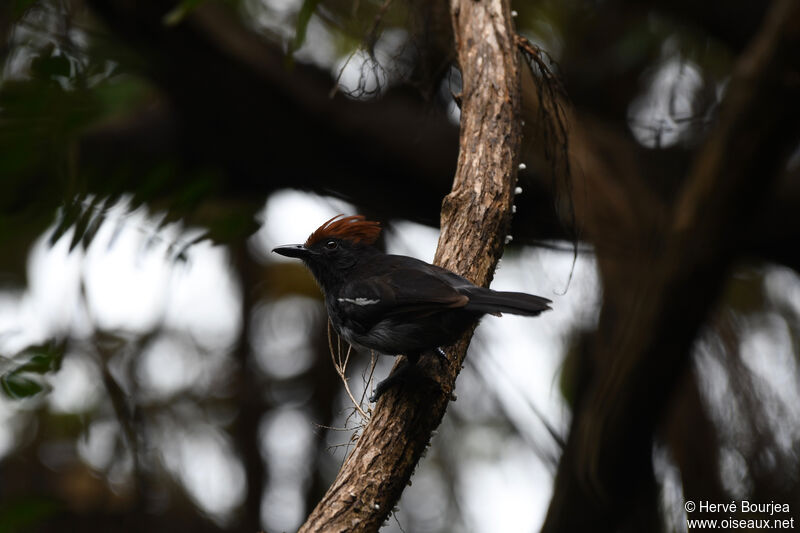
[475, 218]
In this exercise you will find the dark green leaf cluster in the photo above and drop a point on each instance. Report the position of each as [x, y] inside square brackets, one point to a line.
[22, 376]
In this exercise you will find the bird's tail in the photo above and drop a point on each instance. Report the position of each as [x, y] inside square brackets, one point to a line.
[516, 303]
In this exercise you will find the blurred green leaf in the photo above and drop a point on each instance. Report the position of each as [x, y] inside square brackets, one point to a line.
[67, 217]
[745, 293]
[300, 29]
[21, 375]
[18, 387]
[81, 225]
[92, 228]
[176, 15]
[23, 514]
[19, 6]
[235, 226]
[121, 95]
[51, 66]
[41, 363]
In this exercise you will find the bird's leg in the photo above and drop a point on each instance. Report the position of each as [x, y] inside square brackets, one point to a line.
[399, 375]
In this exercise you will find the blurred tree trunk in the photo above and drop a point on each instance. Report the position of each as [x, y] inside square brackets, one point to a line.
[250, 394]
[656, 302]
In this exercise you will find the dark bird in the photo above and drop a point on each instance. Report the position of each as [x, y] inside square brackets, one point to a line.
[395, 304]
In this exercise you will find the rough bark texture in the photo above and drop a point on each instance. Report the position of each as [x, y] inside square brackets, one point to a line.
[645, 334]
[474, 220]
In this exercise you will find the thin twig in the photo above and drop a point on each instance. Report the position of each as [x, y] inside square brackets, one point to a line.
[341, 367]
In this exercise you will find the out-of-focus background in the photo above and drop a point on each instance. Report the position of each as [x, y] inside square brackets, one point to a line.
[161, 370]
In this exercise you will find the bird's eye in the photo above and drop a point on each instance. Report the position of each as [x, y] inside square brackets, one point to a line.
[331, 245]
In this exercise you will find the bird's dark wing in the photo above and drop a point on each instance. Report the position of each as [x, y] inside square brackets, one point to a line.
[412, 288]
[484, 300]
[399, 285]
[419, 289]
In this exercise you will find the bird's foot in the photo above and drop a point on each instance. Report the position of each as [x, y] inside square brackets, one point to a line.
[406, 371]
[396, 377]
[383, 386]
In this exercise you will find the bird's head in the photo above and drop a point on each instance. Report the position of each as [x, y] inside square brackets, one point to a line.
[335, 246]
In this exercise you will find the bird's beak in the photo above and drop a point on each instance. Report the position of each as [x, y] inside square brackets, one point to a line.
[293, 250]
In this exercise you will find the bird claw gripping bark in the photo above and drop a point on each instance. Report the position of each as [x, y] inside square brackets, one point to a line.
[394, 378]
[378, 391]
[403, 373]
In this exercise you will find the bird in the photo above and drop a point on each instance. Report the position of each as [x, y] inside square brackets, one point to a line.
[395, 304]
